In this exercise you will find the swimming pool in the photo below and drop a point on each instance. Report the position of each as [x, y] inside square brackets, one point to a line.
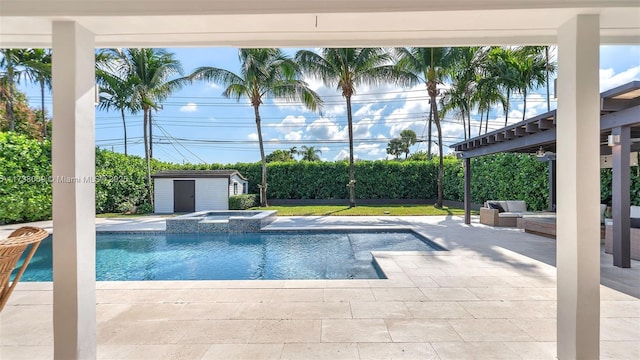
[246, 256]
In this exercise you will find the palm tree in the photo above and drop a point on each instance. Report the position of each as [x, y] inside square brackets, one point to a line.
[489, 86]
[150, 73]
[395, 147]
[116, 92]
[293, 151]
[310, 153]
[408, 138]
[502, 63]
[429, 65]
[463, 74]
[264, 73]
[346, 69]
[10, 75]
[531, 67]
[37, 65]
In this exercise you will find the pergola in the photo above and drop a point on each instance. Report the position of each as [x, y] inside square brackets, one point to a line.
[74, 28]
[619, 116]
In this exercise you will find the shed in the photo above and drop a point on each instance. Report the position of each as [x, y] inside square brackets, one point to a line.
[177, 191]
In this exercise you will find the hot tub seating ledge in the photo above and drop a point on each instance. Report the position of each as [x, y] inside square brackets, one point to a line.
[238, 221]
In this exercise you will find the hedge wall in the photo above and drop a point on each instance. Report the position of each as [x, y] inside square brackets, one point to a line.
[25, 179]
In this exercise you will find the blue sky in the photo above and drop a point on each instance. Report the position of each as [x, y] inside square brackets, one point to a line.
[198, 125]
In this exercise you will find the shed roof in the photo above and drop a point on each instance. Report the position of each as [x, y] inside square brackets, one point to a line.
[227, 173]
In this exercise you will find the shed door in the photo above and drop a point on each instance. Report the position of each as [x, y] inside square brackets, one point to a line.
[184, 196]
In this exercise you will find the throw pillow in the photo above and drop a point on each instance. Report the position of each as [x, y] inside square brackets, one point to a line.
[496, 206]
[635, 223]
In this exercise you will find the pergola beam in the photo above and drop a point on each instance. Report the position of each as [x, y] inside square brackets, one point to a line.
[543, 137]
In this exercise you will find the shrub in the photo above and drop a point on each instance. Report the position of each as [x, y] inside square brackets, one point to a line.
[145, 208]
[243, 202]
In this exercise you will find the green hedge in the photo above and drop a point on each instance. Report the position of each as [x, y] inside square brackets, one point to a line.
[25, 179]
[243, 202]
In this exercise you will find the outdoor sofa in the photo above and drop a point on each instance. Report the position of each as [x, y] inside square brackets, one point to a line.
[502, 213]
[635, 234]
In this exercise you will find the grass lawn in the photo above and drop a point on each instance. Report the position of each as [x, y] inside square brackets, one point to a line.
[364, 210]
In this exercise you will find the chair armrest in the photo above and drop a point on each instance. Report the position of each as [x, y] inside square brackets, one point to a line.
[489, 216]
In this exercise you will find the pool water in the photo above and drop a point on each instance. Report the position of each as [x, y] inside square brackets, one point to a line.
[272, 255]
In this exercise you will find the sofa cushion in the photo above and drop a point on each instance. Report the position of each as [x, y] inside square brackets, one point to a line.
[516, 206]
[510, 214]
[635, 212]
[495, 205]
[635, 223]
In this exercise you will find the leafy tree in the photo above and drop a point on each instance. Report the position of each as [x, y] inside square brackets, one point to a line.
[37, 65]
[26, 118]
[408, 138]
[264, 73]
[10, 73]
[346, 69]
[152, 73]
[310, 153]
[280, 155]
[429, 65]
[395, 148]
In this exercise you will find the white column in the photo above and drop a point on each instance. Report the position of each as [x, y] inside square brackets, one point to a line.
[578, 150]
[73, 152]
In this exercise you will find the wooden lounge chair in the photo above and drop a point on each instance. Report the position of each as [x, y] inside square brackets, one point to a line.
[11, 249]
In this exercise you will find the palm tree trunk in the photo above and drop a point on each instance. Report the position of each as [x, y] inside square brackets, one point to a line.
[546, 53]
[9, 103]
[145, 126]
[469, 122]
[436, 119]
[429, 131]
[44, 121]
[524, 105]
[150, 135]
[263, 160]
[506, 110]
[481, 119]
[464, 124]
[352, 178]
[486, 123]
[124, 127]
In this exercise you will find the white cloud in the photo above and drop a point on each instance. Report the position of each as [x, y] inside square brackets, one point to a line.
[190, 107]
[412, 115]
[325, 149]
[291, 124]
[370, 149]
[609, 79]
[294, 135]
[253, 136]
[214, 86]
[325, 129]
[342, 155]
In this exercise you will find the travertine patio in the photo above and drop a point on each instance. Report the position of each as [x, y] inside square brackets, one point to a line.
[491, 296]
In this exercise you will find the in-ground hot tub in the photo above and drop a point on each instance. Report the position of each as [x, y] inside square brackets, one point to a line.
[208, 222]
